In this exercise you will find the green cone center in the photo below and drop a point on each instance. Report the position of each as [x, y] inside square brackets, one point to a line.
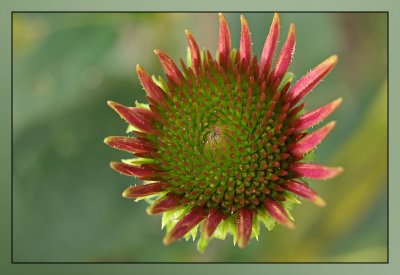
[214, 148]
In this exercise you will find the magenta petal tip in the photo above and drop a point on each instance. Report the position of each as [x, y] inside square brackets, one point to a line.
[304, 191]
[144, 190]
[194, 52]
[278, 213]
[316, 171]
[271, 43]
[214, 218]
[164, 204]
[245, 42]
[285, 56]
[310, 141]
[128, 144]
[312, 78]
[142, 171]
[170, 67]
[193, 218]
[314, 117]
[224, 42]
[139, 117]
[244, 226]
[152, 90]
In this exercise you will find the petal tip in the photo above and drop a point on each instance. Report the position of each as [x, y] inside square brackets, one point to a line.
[292, 30]
[112, 104]
[167, 240]
[114, 165]
[242, 244]
[169, 67]
[337, 102]
[125, 193]
[333, 60]
[149, 210]
[331, 125]
[339, 170]
[244, 227]
[289, 224]
[221, 17]
[138, 69]
[316, 171]
[107, 140]
[276, 19]
[316, 116]
[243, 21]
[318, 201]
[334, 172]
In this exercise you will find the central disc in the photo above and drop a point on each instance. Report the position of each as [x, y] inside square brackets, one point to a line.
[220, 146]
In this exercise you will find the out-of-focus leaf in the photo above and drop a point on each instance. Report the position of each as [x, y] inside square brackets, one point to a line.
[364, 158]
[52, 78]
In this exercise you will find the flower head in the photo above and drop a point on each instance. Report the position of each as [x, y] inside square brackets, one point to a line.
[222, 144]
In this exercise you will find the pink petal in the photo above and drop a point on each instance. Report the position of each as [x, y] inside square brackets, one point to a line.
[144, 190]
[315, 171]
[193, 218]
[138, 117]
[270, 46]
[278, 213]
[152, 90]
[285, 56]
[165, 204]
[194, 52]
[314, 117]
[170, 68]
[311, 79]
[244, 226]
[132, 145]
[141, 171]
[304, 191]
[224, 42]
[214, 218]
[245, 42]
[310, 141]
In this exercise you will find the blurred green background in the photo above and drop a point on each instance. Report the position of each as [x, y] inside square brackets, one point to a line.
[67, 201]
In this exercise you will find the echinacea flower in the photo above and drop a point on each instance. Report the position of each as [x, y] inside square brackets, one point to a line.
[223, 143]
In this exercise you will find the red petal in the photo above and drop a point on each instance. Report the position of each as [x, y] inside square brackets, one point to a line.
[145, 114]
[224, 42]
[245, 43]
[311, 79]
[314, 117]
[144, 190]
[315, 171]
[193, 218]
[304, 191]
[244, 226]
[141, 171]
[278, 213]
[270, 46]
[152, 90]
[285, 56]
[132, 145]
[170, 68]
[214, 218]
[194, 52]
[138, 117]
[165, 204]
[310, 141]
